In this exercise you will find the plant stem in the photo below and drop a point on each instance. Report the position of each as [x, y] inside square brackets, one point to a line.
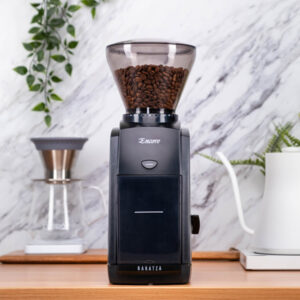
[46, 80]
[45, 25]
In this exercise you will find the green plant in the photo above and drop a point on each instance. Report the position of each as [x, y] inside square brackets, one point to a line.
[281, 138]
[52, 42]
[92, 4]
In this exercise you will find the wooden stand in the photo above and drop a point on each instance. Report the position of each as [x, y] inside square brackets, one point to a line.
[97, 256]
[222, 280]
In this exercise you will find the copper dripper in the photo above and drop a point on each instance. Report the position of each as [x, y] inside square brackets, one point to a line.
[58, 155]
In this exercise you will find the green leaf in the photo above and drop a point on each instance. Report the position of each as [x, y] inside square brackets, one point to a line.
[55, 2]
[28, 46]
[35, 4]
[53, 39]
[90, 3]
[213, 159]
[35, 87]
[73, 44]
[57, 22]
[58, 57]
[293, 140]
[56, 79]
[93, 12]
[35, 44]
[50, 12]
[40, 55]
[53, 42]
[276, 141]
[47, 120]
[39, 36]
[73, 8]
[50, 46]
[69, 68]
[39, 68]
[86, 3]
[39, 107]
[55, 97]
[21, 70]
[34, 29]
[36, 18]
[30, 80]
[71, 30]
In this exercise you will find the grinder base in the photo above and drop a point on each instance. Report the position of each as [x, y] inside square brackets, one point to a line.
[149, 274]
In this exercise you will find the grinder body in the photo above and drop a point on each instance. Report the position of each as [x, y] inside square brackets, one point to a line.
[149, 204]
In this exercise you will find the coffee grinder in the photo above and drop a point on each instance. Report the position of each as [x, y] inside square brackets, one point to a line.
[149, 201]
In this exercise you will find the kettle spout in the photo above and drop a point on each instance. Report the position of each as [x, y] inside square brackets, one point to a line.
[236, 191]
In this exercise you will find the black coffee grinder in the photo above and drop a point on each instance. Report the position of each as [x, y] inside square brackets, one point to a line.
[149, 202]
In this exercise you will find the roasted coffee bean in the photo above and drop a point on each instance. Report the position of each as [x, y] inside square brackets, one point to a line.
[154, 86]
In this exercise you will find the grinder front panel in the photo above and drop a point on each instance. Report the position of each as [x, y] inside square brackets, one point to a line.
[157, 144]
[149, 219]
[149, 196]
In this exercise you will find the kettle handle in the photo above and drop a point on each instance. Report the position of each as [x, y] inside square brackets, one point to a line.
[236, 191]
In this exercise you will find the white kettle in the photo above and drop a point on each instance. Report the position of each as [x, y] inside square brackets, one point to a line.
[278, 228]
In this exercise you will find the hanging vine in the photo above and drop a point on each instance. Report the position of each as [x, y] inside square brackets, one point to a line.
[53, 41]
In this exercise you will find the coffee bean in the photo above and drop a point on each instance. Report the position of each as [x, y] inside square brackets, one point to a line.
[154, 86]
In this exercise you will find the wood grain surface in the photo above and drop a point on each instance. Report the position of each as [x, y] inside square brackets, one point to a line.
[209, 280]
[98, 256]
[91, 256]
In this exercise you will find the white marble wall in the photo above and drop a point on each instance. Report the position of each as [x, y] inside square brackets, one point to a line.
[246, 77]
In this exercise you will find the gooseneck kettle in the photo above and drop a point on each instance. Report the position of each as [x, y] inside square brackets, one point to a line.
[278, 228]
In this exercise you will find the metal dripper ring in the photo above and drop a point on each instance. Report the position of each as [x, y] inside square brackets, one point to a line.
[58, 155]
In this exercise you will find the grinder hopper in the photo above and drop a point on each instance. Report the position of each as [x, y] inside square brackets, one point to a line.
[150, 74]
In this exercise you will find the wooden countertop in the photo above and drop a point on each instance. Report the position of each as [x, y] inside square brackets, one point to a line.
[210, 280]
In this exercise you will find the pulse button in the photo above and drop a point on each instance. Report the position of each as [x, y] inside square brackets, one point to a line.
[149, 164]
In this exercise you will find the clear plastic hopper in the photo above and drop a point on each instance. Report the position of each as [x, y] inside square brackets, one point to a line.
[150, 74]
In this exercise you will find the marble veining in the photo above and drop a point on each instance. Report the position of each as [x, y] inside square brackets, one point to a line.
[245, 80]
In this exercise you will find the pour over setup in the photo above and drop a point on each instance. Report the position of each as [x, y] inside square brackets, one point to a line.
[57, 220]
[149, 201]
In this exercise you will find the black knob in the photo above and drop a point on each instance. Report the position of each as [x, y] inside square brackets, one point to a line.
[195, 222]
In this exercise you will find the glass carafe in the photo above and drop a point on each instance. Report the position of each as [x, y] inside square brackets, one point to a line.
[57, 221]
